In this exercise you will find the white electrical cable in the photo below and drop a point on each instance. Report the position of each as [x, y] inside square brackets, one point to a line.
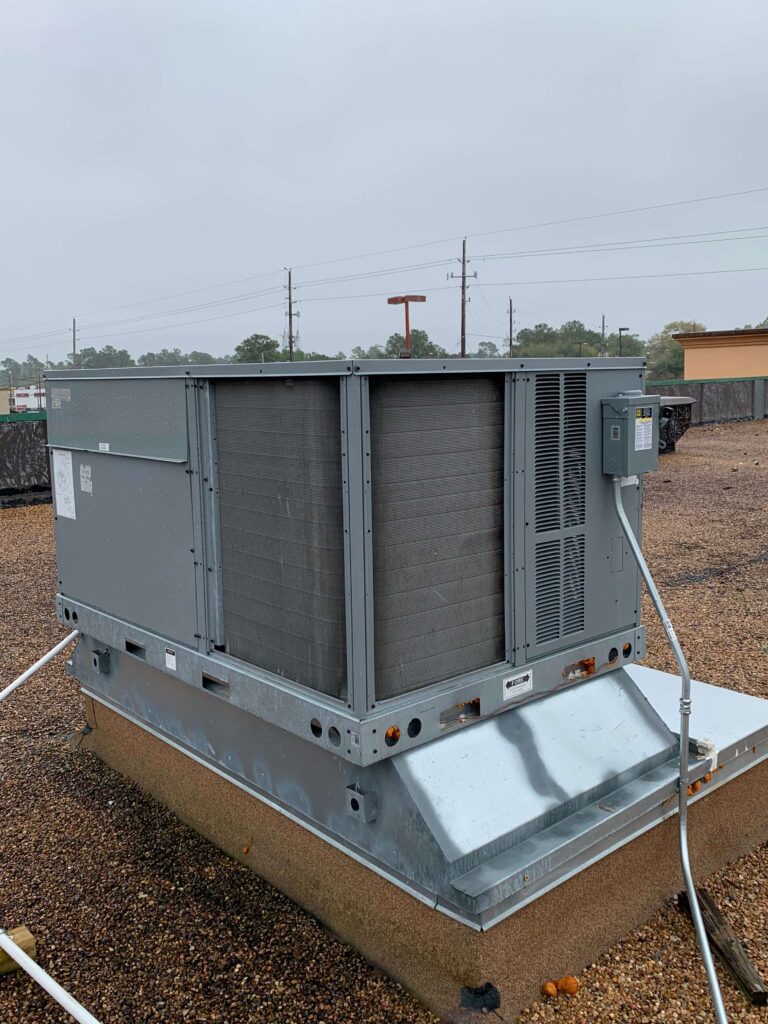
[53, 988]
[685, 714]
[38, 665]
[34, 970]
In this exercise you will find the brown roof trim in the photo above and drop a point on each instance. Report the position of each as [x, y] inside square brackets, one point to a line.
[737, 332]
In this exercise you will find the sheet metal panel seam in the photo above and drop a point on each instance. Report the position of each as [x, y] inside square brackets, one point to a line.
[331, 367]
[194, 478]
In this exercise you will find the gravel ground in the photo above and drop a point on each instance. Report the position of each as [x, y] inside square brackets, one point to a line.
[144, 921]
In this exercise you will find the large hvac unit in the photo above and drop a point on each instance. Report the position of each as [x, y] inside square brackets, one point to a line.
[349, 586]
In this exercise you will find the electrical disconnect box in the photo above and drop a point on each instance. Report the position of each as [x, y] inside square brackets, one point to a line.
[630, 434]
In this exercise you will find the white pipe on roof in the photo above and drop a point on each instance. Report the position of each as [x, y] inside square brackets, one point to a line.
[53, 988]
[38, 665]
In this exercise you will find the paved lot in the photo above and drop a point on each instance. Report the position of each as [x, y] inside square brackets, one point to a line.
[144, 921]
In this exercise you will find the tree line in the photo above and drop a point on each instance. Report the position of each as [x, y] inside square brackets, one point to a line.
[663, 353]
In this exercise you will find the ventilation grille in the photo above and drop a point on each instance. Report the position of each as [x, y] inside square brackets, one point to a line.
[438, 500]
[560, 451]
[559, 588]
[282, 533]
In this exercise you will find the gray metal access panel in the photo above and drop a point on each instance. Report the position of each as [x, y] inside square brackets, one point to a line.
[368, 555]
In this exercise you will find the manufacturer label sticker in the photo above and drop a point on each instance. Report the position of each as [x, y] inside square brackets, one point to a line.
[103, 446]
[59, 395]
[170, 659]
[64, 484]
[643, 429]
[86, 481]
[516, 686]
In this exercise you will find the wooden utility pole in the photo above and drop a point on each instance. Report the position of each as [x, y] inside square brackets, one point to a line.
[511, 325]
[290, 315]
[602, 351]
[463, 277]
[74, 342]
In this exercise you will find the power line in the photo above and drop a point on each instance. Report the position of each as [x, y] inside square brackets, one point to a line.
[540, 224]
[564, 250]
[627, 277]
[568, 250]
[419, 245]
[487, 284]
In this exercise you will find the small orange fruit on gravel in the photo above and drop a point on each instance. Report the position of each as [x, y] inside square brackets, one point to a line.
[569, 985]
[549, 990]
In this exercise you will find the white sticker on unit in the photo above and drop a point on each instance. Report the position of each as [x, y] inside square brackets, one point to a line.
[59, 395]
[103, 446]
[170, 659]
[64, 484]
[643, 429]
[86, 480]
[516, 686]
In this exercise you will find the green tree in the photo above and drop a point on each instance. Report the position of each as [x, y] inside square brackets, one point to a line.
[421, 348]
[487, 350]
[92, 358]
[205, 358]
[763, 323]
[630, 345]
[259, 348]
[165, 357]
[665, 355]
[374, 352]
[570, 339]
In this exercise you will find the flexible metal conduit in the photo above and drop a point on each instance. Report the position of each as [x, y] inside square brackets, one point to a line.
[38, 665]
[685, 714]
[53, 988]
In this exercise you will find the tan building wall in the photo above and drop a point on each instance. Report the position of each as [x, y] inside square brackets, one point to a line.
[5, 401]
[716, 354]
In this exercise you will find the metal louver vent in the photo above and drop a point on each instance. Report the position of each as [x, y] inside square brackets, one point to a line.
[559, 588]
[574, 448]
[560, 451]
[549, 570]
[547, 449]
[573, 585]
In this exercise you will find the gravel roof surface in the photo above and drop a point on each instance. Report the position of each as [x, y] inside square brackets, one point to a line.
[144, 921]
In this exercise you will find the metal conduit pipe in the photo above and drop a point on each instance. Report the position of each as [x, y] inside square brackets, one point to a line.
[34, 970]
[685, 714]
[38, 665]
[53, 988]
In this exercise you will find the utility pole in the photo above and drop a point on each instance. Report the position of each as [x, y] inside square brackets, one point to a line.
[602, 350]
[511, 326]
[74, 343]
[291, 315]
[463, 276]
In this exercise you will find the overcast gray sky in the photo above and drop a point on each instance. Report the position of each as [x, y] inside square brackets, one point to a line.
[153, 148]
